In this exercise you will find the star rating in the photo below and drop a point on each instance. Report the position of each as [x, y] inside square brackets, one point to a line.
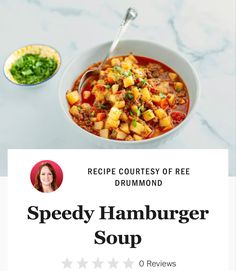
[82, 263]
[67, 263]
[97, 263]
[113, 263]
[128, 263]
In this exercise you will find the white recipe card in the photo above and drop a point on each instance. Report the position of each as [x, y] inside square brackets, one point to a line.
[118, 209]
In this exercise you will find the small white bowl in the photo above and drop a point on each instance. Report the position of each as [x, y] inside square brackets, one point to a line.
[140, 48]
[42, 50]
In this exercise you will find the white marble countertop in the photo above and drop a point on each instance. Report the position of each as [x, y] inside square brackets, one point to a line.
[203, 31]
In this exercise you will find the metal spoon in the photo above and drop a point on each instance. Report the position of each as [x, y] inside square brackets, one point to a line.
[130, 15]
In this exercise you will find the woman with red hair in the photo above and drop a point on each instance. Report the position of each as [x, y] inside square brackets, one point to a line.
[46, 178]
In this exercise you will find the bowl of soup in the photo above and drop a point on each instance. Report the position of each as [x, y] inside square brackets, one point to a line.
[143, 94]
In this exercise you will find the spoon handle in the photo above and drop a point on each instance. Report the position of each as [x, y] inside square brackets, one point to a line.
[130, 15]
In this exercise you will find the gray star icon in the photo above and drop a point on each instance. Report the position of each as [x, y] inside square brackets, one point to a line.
[82, 263]
[128, 263]
[97, 263]
[113, 263]
[67, 263]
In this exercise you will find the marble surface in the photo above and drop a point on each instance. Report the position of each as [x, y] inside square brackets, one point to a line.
[203, 31]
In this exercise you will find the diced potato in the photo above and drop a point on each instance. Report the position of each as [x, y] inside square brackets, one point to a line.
[148, 115]
[125, 128]
[111, 98]
[156, 99]
[160, 113]
[129, 138]
[171, 99]
[102, 73]
[128, 81]
[120, 104]
[137, 128]
[98, 125]
[136, 93]
[126, 65]
[74, 110]
[86, 94]
[139, 73]
[172, 76]
[132, 59]
[137, 137]
[73, 97]
[147, 130]
[115, 88]
[123, 116]
[99, 96]
[114, 113]
[115, 62]
[86, 106]
[182, 101]
[111, 77]
[165, 122]
[178, 86]
[111, 123]
[104, 133]
[121, 135]
[146, 96]
[93, 119]
[163, 87]
[113, 118]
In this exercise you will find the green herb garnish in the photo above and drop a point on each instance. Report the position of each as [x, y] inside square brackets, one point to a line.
[117, 69]
[103, 106]
[162, 95]
[107, 86]
[138, 112]
[33, 69]
[100, 81]
[126, 74]
[143, 82]
[134, 122]
[129, 96]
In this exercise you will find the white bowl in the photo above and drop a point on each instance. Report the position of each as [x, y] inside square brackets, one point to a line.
[141, 48]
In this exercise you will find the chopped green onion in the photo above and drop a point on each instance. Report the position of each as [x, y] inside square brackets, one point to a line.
[33, 68]
[138, 112]
[103, 106]
[134, 122]
[117, 68]
[162, 95]
[100, 81]
[143, 81]
[129, 96]
[126, 74]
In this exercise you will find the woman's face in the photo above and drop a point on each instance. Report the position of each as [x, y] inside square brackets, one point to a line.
[46, 176]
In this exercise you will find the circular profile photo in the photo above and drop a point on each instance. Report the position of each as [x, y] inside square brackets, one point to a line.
[46, 176]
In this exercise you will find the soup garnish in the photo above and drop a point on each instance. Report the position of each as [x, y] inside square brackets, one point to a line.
[33, 68]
